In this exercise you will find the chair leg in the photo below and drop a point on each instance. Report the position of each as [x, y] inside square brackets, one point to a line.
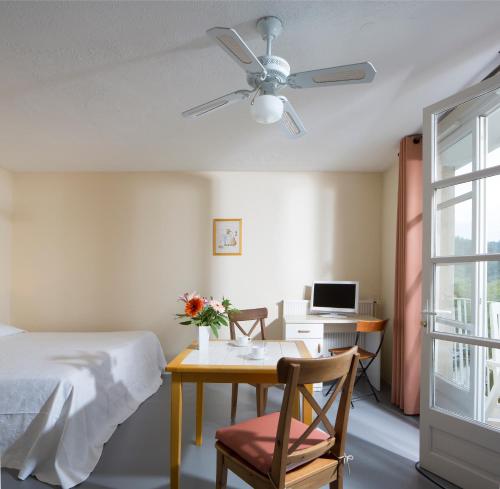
[234, 401]
[370, 384]
[364, 374]
[221, 474]
[338, 483]
[330, 389]
[266, 391]
[359, 376]
[260, 400]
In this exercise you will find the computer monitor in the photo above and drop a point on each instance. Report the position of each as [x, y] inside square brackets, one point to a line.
[334, 297]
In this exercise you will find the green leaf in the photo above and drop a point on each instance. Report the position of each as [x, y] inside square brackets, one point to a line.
[185, 323]
[214, 331]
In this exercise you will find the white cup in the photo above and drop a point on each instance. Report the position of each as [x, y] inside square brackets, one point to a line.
[257, 352]
[242, 340]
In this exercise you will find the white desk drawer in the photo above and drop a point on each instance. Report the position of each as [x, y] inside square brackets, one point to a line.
[299, 331]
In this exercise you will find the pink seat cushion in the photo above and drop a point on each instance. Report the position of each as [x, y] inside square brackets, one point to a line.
[254, 440]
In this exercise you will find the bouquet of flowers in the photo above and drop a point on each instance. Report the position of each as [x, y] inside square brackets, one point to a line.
[201, 311]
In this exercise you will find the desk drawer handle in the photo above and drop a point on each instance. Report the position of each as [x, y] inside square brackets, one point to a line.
[304, 331]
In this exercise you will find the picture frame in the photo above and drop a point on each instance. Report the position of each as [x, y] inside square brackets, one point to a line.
[227, 237]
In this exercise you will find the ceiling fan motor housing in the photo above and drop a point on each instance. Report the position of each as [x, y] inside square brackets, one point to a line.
[277, 69]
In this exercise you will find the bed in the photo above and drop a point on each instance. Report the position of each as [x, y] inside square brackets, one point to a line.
[62, 395]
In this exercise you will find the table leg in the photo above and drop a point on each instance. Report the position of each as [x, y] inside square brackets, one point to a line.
[175, 431]
[199, 413]
[307, 410]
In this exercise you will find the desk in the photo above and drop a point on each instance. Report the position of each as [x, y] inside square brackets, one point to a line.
[311, 330]
[227, 364]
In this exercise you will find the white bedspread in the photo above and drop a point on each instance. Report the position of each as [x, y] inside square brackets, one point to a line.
[62, 396]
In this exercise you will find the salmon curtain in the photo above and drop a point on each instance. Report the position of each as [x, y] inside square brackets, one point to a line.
[408, 283]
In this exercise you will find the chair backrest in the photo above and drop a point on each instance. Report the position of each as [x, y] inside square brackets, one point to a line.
[258, 316]
[375, 326]
[295, 373]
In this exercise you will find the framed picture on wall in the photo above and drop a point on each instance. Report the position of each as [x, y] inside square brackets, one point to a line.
[227, 236]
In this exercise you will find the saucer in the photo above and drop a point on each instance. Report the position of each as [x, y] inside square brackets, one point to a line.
[251, 357]
[233, 343]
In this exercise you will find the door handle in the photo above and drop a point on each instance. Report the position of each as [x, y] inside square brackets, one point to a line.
[304, 331]
[423, 322]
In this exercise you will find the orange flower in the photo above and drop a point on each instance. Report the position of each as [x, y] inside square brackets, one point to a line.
[194, 306]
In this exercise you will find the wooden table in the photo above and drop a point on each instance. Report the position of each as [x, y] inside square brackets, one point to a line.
[227, 364]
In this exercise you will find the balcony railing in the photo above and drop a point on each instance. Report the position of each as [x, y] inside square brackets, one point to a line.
[461, 323]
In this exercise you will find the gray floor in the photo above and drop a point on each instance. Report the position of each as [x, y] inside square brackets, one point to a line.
[384, 444]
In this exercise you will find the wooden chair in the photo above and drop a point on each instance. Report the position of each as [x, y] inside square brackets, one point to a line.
[377, 326]
[277, 451]
[259, 317]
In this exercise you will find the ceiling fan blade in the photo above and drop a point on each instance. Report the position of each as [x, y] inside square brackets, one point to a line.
[236, 47]
[290, 121]
[217, 103]
[337, 75]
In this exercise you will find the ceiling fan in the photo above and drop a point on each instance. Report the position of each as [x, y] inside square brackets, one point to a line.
[267, 75]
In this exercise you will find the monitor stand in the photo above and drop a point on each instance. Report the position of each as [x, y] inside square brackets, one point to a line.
[333, 315]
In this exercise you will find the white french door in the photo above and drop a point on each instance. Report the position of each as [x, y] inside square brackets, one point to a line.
[460, 391]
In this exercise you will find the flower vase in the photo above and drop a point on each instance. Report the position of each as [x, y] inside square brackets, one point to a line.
[203, 338]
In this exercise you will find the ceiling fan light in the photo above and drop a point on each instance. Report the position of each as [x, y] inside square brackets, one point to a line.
[267, 109]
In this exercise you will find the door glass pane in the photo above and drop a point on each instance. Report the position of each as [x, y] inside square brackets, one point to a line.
[452, 364]
[492, 214]
[493, 155]
[463, 188]
[454, 220]
[460, 372]
[453, 300]
[454, 292]
[455, 149]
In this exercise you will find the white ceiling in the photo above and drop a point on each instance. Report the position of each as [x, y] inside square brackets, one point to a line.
[100, 86]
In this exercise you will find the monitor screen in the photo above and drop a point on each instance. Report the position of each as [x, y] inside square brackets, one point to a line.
[340, 296]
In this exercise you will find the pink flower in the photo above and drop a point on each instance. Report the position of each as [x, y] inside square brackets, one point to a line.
[217, 306]
[187, 296]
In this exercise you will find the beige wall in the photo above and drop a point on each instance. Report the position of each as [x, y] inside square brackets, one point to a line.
[389, 221]
[104, 251]
[5, 244]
